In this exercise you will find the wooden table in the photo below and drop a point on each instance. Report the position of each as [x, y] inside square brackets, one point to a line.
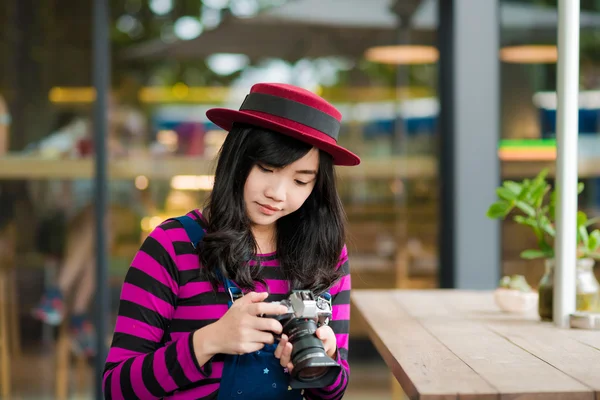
[449, 344]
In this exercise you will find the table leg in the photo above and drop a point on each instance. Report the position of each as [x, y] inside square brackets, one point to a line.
[397, 392]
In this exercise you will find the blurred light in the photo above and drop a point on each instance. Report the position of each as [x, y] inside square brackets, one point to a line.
[141, 182]
[180, 90]
[588, 99]
[227, 64]
[213, 140]
[149, 223]
[216, 4]
[210, 17]
[165, 94]
[244, 8]
[530, 54]
[326, 71]
[527, 150]
[397, 187]
[72, 95]
[168, 138]
[192, 182]
[126, 23]
[403, 54]
[137, 31]
[161, 7]
[187, 28]
[527, 154]
[215, 137]
[419, 108]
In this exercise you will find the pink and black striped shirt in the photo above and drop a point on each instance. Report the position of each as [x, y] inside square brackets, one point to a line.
[164, 300]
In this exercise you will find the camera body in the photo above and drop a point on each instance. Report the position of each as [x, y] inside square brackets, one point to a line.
[313, 368]
[303, 304]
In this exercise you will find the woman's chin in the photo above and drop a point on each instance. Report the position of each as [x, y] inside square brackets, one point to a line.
[263, 220]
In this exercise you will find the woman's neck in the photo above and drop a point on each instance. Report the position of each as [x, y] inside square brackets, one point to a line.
[265, 238]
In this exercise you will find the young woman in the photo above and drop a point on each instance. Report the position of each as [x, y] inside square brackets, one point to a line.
[273, 223]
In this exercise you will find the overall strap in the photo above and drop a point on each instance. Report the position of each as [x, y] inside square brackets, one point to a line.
[192, 228]
[234, 291]
[196, 233]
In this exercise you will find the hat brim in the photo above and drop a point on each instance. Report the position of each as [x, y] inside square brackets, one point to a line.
[225, 118]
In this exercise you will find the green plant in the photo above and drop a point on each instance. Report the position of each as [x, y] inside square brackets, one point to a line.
[515, 282]
[532, 202]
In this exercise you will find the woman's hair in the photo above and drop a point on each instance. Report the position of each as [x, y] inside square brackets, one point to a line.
[309, 240]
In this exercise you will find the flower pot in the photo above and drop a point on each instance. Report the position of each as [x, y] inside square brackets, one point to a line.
[587, 288]
[515, 301]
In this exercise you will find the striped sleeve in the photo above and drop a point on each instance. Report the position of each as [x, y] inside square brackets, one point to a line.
[139, 365]
[340, 324]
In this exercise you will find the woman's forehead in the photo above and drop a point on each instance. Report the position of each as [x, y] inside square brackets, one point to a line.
[310, 161]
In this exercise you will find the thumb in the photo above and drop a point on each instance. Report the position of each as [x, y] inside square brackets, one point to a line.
[321, 333]
[254, 297]
[324, 332]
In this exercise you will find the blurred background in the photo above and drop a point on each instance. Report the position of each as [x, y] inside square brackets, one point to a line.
[442, 101]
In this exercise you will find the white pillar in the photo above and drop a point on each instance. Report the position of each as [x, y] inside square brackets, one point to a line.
[567, 130]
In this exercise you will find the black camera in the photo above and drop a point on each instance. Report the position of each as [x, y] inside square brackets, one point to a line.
[313, 368]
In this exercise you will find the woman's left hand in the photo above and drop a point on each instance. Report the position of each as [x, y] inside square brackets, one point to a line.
[284, 348]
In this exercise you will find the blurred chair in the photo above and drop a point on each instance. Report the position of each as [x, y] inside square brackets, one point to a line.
[64, 364]
[10, 346]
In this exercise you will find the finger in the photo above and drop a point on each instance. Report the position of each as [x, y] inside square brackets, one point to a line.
[252, 297]
[286, 355]
[281, 346]
[324, 332]
[329, 340]
[266, 324]
[267, 309]
[262, 337]
[290, 367]
[251, 347]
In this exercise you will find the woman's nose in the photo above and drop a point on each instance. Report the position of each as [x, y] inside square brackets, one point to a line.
[276, 190]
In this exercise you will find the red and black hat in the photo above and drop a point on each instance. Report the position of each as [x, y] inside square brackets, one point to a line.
[292, 111]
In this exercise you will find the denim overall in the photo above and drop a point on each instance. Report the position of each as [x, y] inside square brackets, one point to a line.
[257, 375]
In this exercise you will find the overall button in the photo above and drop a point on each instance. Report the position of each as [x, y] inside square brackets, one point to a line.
[239, 392]
[274, 385]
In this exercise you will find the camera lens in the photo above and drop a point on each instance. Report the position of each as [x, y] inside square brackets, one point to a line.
[312, 373]
[312, 366]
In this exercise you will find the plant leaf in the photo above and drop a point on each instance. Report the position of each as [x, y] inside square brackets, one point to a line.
[531, 254]
[498, 210]
[546, 225]
[506, 194]
[592, 221]
[594, 241]
[514, 187]
[581, 218]
[526, 208]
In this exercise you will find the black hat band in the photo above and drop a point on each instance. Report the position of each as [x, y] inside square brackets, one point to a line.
[293, 110]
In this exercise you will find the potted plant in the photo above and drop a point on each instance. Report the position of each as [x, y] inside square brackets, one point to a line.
[532, 203]
[514, 295]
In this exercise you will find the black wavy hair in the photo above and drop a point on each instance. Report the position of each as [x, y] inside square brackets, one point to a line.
[309, 240]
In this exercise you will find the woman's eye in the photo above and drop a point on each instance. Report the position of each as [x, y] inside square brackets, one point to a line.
[301, 183]
[264, 169]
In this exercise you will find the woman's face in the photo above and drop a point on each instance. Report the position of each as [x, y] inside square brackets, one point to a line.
[271, 193]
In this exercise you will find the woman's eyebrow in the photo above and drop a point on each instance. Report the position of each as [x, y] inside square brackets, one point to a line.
[307, 171]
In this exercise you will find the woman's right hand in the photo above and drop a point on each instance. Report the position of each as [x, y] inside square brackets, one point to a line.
[241, 330]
